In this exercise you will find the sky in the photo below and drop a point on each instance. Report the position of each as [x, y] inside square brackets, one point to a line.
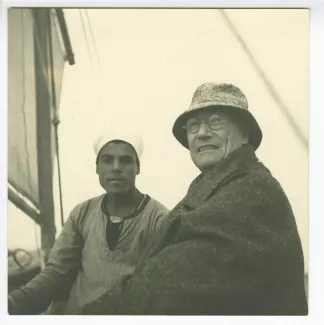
[146, 68]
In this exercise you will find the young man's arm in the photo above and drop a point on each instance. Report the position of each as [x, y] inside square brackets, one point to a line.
[58, 274]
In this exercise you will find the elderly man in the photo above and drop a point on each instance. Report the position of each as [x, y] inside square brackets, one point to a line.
[231, 246]
[102, 239]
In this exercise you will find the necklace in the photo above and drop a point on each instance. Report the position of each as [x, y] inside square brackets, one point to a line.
[116, 219]
[115, 224]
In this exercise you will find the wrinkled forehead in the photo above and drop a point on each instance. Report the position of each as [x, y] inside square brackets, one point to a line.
[230, 119]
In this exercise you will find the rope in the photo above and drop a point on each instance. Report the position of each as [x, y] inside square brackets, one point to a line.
[101, 101]
[266, 81]
[56, 120]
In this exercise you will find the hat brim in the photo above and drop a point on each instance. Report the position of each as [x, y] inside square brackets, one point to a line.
[243, 116]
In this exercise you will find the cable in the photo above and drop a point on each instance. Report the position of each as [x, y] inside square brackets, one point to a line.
[94, 44]
[93, 39]
[92, 64]
[266, 81]
[56, 123]
[56, 119]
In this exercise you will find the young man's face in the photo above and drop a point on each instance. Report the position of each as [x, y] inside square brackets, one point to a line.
[117, 167]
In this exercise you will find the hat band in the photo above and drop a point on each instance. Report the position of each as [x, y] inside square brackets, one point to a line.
[218, 103]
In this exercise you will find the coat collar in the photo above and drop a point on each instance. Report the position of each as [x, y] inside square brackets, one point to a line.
[205, 184]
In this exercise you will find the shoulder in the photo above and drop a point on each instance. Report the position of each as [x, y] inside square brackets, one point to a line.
[155, 214]
[263, 183]
[81, 210]
[255, 192]
[254, 180]
[156, 207]
[251, 191]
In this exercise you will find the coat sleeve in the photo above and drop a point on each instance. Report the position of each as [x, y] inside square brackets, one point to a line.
[235, 254]
[57, 276]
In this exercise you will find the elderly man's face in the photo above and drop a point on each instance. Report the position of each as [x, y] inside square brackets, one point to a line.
[211, 137]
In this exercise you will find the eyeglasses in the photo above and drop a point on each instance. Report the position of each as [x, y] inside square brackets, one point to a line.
[214, 122]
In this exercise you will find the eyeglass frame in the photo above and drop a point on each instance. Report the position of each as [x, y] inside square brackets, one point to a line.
[206, 121]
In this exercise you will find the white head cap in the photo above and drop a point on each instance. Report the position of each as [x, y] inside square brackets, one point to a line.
[132, 138]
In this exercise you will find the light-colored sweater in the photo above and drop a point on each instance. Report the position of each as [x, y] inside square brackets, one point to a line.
[81, 262]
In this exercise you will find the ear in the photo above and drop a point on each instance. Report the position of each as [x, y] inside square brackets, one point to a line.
[244, 134]
[246, 137]
[97, 168]
[138, 169]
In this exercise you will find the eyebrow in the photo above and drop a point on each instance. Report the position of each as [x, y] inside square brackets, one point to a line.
[199, 119]
[192, 119]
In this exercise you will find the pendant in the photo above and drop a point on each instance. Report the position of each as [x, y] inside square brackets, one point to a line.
[114, 219]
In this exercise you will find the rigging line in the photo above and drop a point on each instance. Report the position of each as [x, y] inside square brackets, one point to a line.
[91, 62]
[94, 43]
[266, 81]
[56, 119]
[97, 55]
[25, 122]
[93, 39]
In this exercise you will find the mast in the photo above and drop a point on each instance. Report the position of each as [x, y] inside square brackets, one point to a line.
[51, 47]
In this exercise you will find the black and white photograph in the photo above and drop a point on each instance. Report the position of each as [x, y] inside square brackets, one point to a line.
[158, 161]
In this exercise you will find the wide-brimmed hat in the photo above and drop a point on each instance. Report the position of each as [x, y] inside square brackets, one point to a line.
[225, 98]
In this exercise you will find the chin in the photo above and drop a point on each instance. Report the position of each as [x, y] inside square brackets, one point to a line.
[207, 164]
[114, 191]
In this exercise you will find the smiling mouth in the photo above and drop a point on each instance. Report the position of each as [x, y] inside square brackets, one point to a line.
[207, 147]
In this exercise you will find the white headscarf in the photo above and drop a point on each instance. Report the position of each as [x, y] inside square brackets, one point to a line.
[131, 138]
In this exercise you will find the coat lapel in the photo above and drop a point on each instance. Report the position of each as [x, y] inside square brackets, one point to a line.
[203, 187]
[199, 191]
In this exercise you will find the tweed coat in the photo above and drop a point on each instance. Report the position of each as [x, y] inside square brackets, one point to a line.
[230, 247]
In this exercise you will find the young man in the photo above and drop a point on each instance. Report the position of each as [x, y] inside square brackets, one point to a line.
[102, 239]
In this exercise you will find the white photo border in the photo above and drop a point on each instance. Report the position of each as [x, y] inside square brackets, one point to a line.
[316, 166]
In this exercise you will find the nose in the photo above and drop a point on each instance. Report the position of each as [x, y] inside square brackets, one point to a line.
[116, 166]
[204, 130]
